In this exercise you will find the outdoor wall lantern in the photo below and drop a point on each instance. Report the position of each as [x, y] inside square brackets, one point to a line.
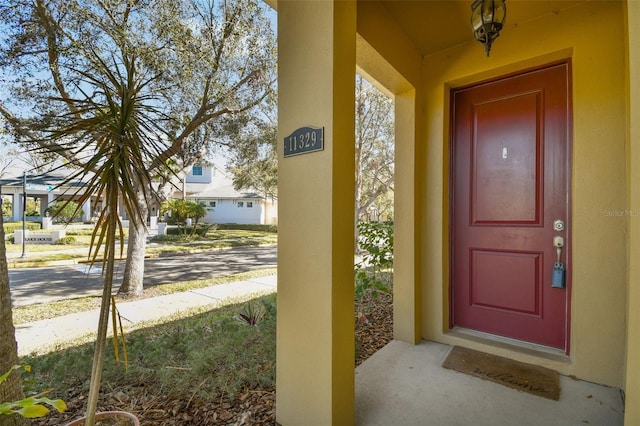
[487, 18]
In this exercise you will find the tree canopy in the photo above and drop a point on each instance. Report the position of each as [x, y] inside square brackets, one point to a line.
[202, 59]
[375, 143]
[253, 163]
[199, 65]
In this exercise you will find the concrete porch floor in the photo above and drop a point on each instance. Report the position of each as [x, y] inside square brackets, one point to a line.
[404, 384]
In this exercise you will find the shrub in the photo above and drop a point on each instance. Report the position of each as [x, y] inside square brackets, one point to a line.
[10, 227]
[64, 211]
[171, 237]
[375, 245]
[248, 227]
[7, 207]
[69, 239]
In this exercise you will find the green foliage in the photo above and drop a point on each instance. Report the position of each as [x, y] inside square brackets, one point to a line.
[68, 240]
[252, 313]
[173, 236]
[47, 47]
[204, 355]
[375, 244]
[114, 129]
[7, 207]
[253, 164]
[185, 233]
[248, 227]
[10, 227]
[64, 211]
[33, 208]
[30, 407]
[88, 231]
[181, 210]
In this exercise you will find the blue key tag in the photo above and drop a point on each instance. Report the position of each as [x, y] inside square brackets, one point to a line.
[558, 275]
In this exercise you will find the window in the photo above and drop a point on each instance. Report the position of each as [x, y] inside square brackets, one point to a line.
[240, 204]
[212, 203]
[249, 204]
[196, 170]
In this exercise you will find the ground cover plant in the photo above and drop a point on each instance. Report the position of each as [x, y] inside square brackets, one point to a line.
[205, 366]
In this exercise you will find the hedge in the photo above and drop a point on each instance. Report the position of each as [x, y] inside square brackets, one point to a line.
[10, 227]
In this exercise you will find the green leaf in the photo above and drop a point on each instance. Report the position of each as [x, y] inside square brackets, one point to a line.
[58, 404]
[5, 375]
[33, 411]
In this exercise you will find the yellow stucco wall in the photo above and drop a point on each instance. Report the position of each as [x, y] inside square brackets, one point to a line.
[315, 336]
[403, 84]
[632, 378]
[591, 35]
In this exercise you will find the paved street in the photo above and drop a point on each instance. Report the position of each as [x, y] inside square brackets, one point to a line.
[45, 284]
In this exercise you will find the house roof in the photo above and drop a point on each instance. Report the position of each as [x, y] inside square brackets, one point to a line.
[220, 188]
[46, 181]
[223, 191]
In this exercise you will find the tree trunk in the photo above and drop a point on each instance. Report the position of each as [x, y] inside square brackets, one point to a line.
[103, 320]
[132, 280]
[10, 389]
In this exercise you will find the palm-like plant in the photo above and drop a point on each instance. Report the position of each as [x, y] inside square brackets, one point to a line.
[112, 132]
[196, 212]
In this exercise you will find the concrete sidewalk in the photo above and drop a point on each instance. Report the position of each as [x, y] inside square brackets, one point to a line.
[45, 335]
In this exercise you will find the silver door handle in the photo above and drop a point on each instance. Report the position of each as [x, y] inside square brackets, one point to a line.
[558, 242]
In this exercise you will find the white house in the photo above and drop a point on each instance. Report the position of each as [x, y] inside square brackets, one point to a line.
[211, 187]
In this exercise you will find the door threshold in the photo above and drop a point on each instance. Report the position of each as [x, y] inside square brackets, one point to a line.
[533, 349]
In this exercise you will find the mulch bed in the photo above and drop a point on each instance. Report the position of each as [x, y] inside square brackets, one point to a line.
[253, 406]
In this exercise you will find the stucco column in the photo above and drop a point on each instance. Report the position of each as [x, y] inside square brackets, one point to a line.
[407, 300]
[86, 211]
[632, 380]
[315, 339]
[17, 204]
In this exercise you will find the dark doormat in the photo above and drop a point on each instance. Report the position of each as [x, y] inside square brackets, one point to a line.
[530, 378]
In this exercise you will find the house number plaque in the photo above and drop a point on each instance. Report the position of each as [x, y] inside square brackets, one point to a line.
[304, 140]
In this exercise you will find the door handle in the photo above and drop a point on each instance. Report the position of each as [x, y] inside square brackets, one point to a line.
[558, 273]
[558, 242]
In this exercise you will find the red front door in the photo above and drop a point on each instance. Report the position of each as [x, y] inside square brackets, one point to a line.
[510, 181]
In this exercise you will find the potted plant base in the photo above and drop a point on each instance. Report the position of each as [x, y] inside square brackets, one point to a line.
[109, 418]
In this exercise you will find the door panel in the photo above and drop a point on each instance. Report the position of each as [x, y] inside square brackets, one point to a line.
[510, 181]
[504, 186]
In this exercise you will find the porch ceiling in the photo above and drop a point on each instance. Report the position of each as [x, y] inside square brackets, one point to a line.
[434, 25]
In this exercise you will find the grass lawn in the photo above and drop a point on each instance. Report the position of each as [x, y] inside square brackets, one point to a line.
[168, 245]
[205, 366]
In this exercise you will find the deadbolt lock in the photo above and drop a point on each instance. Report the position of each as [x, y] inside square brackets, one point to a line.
[558, 225]
[558, 241]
